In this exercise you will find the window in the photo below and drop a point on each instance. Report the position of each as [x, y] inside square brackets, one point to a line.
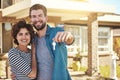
[6, 37]
[80, 33]
[81, 40]
[104, 39]
[5, 3]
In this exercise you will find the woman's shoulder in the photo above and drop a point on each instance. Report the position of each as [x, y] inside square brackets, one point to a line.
[12, 51]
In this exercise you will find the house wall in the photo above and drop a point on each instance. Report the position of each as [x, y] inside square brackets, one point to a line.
[103, 61]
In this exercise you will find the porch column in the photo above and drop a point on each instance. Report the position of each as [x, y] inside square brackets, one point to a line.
[0, 16]
[93, 59]
[0, 31]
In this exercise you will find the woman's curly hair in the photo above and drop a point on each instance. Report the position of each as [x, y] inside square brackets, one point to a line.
[16, 28]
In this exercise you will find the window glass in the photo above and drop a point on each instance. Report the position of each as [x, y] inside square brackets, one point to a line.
[104, 39]
[81, 40]
[7, 41]
[6, 3]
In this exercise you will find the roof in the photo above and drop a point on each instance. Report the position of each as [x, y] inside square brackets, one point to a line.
[66, 9]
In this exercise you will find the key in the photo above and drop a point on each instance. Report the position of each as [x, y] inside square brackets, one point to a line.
[54, 44]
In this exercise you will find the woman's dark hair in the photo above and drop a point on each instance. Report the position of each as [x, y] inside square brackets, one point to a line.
[16, 28]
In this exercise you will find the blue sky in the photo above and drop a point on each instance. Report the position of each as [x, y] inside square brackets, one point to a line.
[116, 3]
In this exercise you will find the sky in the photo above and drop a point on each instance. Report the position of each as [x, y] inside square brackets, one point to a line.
[115, 3]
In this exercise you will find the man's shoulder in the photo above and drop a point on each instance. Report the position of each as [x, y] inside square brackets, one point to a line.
[56, 28]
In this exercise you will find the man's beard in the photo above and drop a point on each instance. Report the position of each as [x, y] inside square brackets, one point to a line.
[41, 27]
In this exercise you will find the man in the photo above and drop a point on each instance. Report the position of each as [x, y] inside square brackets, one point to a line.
[50, 46]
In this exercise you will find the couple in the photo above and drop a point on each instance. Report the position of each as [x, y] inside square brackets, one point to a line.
[48, 48]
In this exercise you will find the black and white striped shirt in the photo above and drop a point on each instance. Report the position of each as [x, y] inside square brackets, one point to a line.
[20, 63]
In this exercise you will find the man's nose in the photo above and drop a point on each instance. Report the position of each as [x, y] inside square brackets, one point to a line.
[37, 18]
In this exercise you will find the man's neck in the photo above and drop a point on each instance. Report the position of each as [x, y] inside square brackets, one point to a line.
[42, 32]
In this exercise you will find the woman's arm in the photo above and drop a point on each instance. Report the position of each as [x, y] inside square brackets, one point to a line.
[33, 72]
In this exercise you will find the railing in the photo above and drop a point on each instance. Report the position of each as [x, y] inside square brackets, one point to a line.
[4, 67]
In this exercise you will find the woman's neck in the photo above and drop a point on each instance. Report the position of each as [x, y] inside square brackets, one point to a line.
[23, 48]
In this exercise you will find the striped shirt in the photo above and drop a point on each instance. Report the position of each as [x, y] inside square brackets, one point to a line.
[20, 63]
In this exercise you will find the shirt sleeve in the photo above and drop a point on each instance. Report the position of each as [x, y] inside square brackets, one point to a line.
[20, 64]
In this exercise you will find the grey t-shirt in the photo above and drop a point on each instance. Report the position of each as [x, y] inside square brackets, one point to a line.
[44, 60]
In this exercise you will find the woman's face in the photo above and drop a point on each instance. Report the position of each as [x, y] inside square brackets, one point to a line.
[23, 37]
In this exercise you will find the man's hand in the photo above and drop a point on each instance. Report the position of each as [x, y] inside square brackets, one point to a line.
[64, 36]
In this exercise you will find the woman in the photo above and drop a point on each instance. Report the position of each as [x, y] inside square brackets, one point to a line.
[22, 61]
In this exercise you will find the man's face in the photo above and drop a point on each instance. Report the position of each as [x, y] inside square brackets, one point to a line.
[38, 19]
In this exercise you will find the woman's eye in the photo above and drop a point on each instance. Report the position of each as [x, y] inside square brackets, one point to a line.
[20, 34]
[27, 34]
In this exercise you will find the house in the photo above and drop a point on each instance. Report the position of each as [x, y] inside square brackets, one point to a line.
[93, 26]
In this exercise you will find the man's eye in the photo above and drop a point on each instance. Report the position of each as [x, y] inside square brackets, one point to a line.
[33, 16]
[40, 16]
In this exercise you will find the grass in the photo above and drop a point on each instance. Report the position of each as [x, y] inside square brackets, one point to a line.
[118, 71]
[83, 69]
[105, 70]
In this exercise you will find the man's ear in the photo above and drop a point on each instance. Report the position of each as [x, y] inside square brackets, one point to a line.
[46, 18]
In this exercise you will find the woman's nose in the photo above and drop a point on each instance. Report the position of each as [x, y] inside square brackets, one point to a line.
[24, 36]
